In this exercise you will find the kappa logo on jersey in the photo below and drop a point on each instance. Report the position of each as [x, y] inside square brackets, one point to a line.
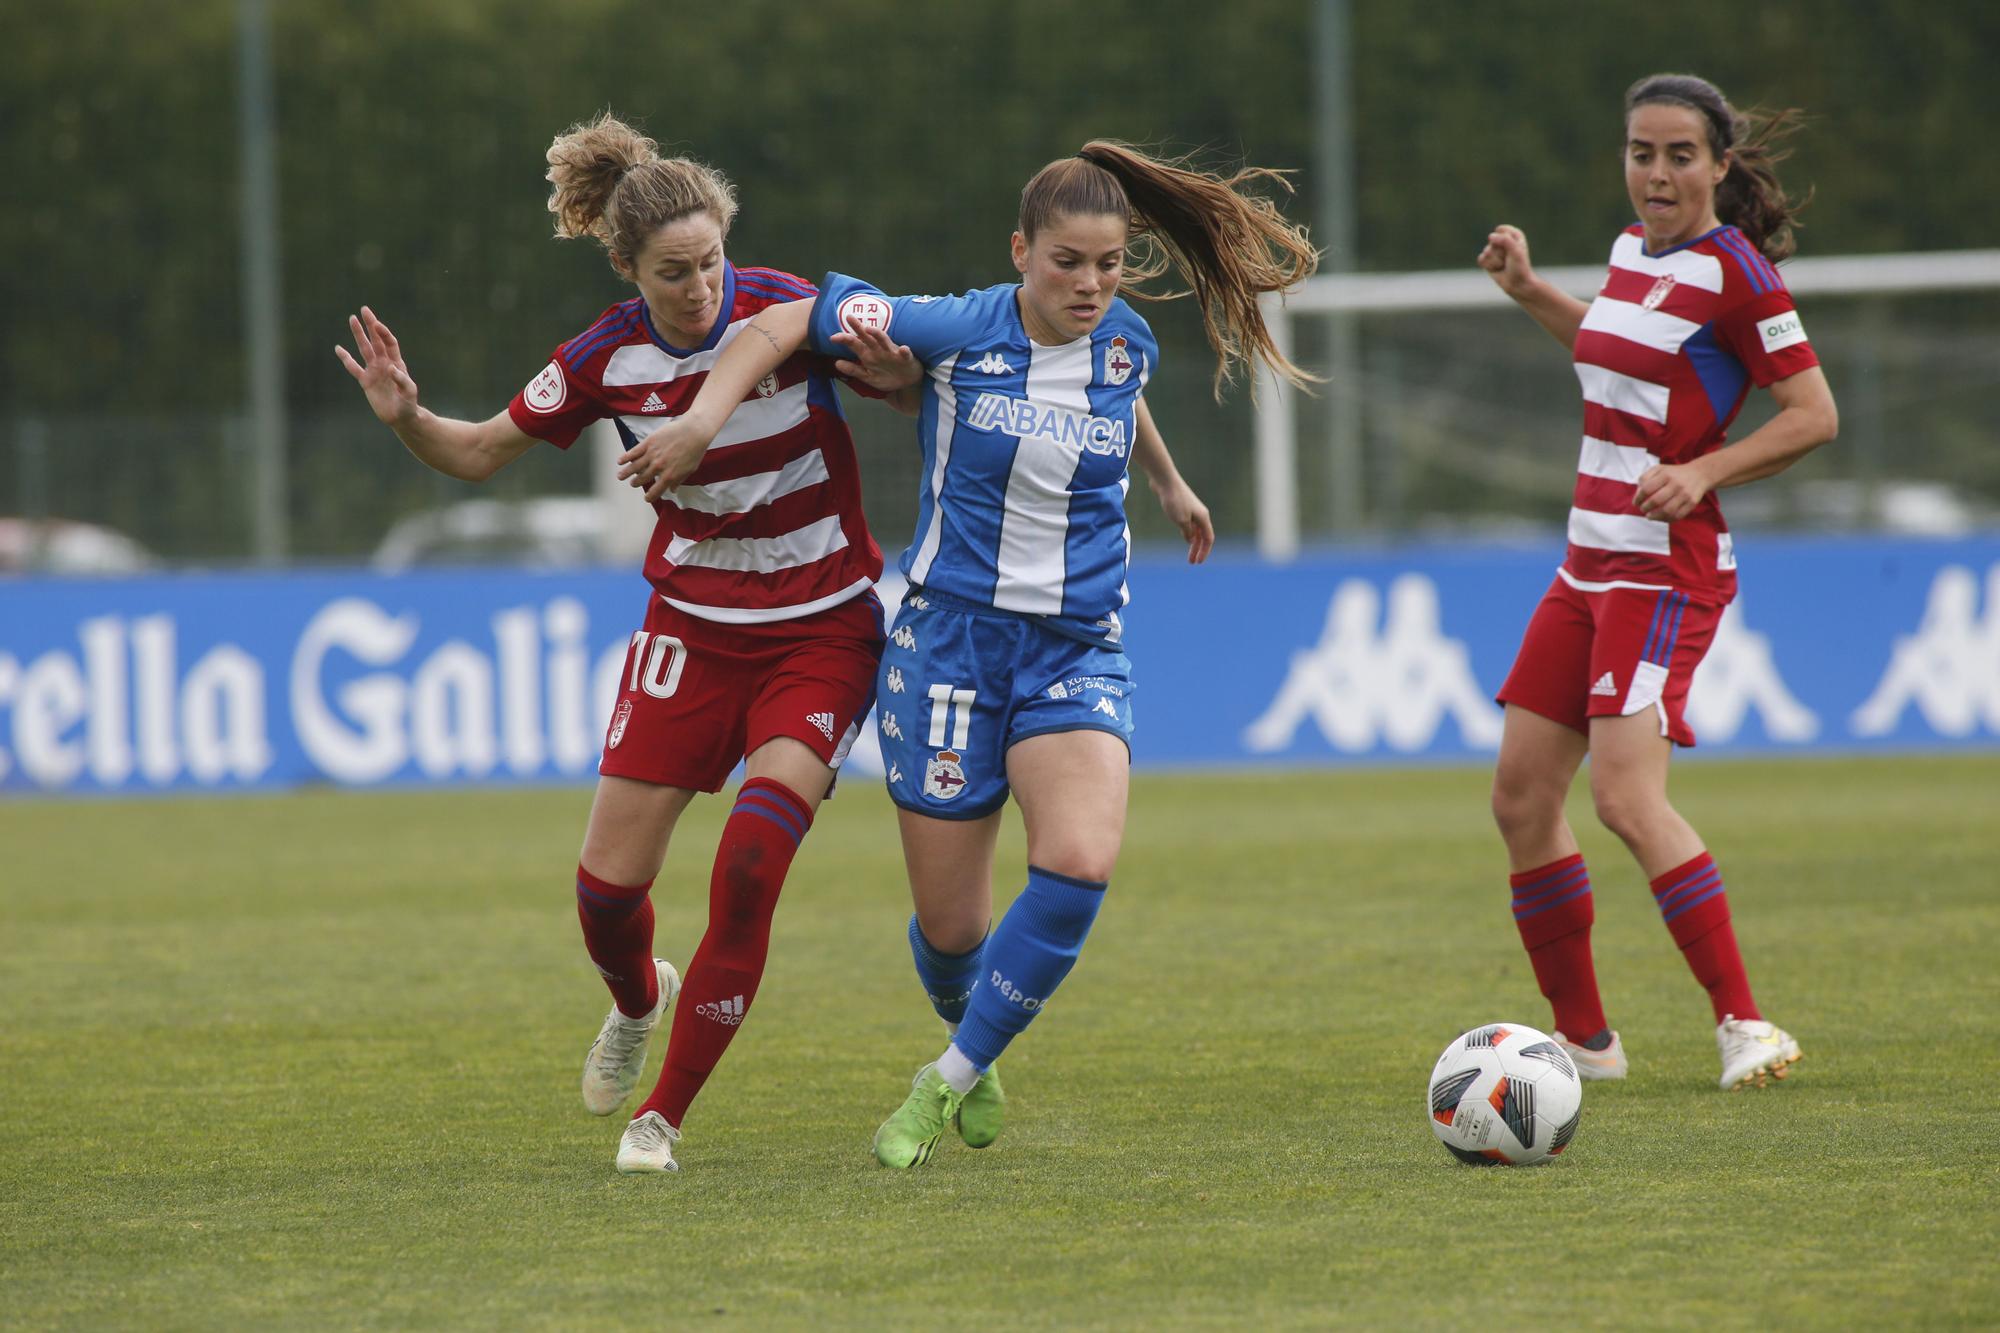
[1117, 361]
[902, 638]
[652, 404]
[864, 310]
[1106, 707]
[546, 392]
[1605, 686]
[768, 385]
[922, 300]
[919, 603]
[618, 724]
[823, 722]
[944, 776]
[1782, 331]
[1018, 416]
[895, 679]
[891, 728]
[1658, 295]
[729, 1012]
[992, 364]
[895, 774]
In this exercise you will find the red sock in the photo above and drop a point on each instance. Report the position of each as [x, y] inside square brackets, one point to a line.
[1553, 910]
[618, 931]
[1696, 911]
[763, 832]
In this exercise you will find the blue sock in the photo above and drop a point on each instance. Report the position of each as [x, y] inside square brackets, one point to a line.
[1026, 958]
[947, 977]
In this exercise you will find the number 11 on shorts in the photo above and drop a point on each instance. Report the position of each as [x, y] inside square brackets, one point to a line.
[944, 699]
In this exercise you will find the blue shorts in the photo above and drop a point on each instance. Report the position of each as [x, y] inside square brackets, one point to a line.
[960, 684]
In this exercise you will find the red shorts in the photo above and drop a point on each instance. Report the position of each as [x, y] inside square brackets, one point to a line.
[697, 695]
[1611, 654]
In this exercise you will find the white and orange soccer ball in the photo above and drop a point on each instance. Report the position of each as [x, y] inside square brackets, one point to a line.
[1506, 1094]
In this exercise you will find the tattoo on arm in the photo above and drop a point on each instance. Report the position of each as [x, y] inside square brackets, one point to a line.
[765, 334]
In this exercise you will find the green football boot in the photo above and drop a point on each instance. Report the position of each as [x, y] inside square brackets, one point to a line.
[909, 1137]
[982, 1112]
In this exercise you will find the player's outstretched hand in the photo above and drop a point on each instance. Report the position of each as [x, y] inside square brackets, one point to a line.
[1185, 511]
[1505, 260]
[664, 459]
[877, 361]
[380, 371]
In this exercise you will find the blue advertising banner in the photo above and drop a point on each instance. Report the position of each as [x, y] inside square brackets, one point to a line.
[250, 681]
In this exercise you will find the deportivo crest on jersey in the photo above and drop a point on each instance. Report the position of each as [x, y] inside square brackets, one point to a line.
[944, 777]
[1117, 361]
[1659, 292]
[618, 724]
[545, 392]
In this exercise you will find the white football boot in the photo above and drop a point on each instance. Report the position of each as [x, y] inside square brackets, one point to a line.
[648, 1145]
[1753, 1052]
[1592, 1065]
[612, 1068]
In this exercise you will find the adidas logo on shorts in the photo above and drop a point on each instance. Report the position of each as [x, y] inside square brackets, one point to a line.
[823, 721]
[1605, 685]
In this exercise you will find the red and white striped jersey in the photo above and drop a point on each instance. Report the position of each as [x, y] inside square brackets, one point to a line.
[1666, 355]
[769, 527]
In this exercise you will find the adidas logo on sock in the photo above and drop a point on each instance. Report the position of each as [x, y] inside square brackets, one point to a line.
[1604, 685]
[729, 1013]
[824, 721]
[652, 404]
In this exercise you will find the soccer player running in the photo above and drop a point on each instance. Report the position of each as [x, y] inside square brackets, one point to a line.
[765, 632]
[1005, 670]
[1691, 314]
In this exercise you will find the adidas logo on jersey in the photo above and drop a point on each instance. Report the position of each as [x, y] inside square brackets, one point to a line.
[652, 404]
[729, 1013]
[1605, 685]
[823, 721]
[992, 364]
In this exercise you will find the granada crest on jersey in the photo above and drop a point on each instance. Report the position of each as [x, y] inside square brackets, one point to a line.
[1661, 290]
[768, 385]
[944, 776]
[618, 721]
[1117, 361]
[545, 392]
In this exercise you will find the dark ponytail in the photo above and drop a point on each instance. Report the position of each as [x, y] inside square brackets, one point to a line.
[1231, 247]
[1750, 198]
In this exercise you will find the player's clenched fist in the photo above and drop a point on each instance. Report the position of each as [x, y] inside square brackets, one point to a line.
[1506, 259]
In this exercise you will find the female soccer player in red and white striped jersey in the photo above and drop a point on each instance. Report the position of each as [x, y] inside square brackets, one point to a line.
[763, 638]
[1691, 315]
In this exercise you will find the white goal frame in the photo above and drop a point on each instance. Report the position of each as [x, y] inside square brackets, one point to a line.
[1470, 289]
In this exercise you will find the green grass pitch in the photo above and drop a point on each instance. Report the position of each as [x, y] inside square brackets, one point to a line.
[311, 1061]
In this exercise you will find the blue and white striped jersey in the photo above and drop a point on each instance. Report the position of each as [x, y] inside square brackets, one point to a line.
[1022, 501]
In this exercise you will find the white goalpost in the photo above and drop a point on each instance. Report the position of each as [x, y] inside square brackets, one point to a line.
[1349, 294]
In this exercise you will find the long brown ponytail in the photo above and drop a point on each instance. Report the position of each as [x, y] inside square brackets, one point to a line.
[1750, 198]
[612, 185]
[1230, 247]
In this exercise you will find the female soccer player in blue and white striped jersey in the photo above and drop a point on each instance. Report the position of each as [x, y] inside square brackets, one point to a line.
[1005, 670]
